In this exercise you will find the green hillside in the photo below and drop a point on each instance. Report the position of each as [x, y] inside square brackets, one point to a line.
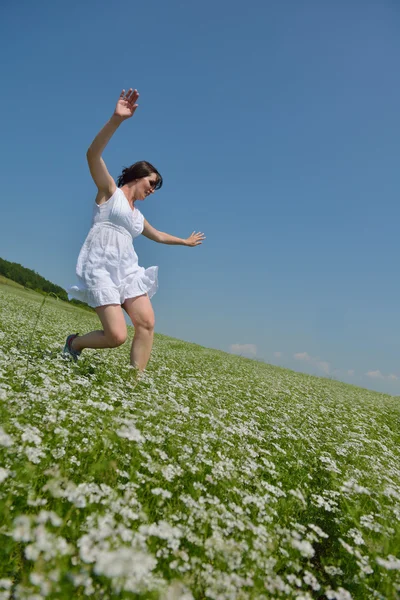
[15, 274]
[6, 281]
[215, 477]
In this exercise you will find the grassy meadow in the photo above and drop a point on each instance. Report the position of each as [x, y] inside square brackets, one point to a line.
[216, 477]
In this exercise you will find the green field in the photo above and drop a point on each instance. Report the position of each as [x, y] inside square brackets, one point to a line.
[216, 477]
[10, 282]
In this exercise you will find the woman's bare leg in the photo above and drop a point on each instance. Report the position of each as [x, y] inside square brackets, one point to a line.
[141, 313]
[114, 330]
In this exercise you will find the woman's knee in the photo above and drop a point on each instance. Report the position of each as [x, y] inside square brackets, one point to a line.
[141, 313]
[145, 323]
[116, 338]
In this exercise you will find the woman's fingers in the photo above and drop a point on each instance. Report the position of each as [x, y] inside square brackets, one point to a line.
[197, 238]
[126, 104]
[133, 95]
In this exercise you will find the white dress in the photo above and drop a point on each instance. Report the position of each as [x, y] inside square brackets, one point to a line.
[108, 271]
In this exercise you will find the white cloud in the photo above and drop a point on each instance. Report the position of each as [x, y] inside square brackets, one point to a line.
[245, 349]
[350, 372]
[375, 374]
[302, 356]
[378, 375]
[277, 354]
[316, 362]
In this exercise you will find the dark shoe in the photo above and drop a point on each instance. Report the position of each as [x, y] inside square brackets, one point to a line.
[68, 350]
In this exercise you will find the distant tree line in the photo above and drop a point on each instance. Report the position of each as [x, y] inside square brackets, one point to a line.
[33, 281]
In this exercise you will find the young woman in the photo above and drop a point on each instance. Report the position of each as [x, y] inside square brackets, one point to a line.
[110, 278]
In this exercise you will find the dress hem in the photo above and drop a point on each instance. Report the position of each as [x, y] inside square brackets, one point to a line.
[94, 297]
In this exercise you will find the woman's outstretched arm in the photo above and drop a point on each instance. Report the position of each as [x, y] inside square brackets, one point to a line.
[124, 109]
[165, 238]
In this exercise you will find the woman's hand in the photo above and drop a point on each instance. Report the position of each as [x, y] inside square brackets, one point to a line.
[195, 239]
[126, 104]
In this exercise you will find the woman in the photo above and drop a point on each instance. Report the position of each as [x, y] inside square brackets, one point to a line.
[110, 278]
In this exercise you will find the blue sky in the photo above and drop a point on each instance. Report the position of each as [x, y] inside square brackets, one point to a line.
[276, 128]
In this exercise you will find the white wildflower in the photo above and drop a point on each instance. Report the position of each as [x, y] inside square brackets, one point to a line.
[65, 388]
[318, 530]
[129, 431]
[279, 448]
[293, 579]
[365, 567]
[391, 492]
[5, 439]
[163, 455]
[39, 580]
[47, 544]
[34, 454]
[368, 522]
[327, 503]
[22, 529]
[177, 591]
[339, 594]
[357, 537]
[6, 584]
[161, 492]
[276, 491]
[332, 570]
[171, 471]
[276, 583]
[330, 464]
[4, 473]
[346, 546]
[125, 562]
[304, 547]
[391, 563]
[297, 493]
[352, 486]
[48, 515]
[58, 453]
[124, 474]
[310, 580]
[31, 434]
[100, 405]
[164, 531]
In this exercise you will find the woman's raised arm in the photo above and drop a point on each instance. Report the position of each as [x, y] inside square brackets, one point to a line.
[124, 109]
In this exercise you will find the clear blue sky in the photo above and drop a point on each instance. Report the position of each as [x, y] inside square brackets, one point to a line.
[276, 128]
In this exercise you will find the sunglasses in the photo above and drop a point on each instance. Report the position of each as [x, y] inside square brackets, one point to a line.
[154, 184]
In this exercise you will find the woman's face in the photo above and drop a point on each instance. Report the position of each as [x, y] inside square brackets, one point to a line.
[145, 186]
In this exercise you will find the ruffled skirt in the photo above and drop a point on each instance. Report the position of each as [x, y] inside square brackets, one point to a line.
[108, 271]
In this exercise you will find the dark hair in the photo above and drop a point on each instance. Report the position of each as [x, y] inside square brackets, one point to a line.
[138, 170]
